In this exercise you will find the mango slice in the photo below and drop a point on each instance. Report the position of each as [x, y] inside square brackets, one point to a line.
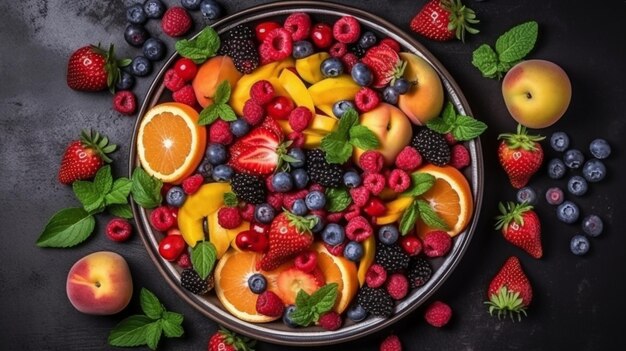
[296, 89]
[308, 68]
[330, 90]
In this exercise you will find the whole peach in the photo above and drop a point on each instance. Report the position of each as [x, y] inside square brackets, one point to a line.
[424, 100]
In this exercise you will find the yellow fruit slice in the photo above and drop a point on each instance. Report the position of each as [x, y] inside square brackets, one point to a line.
[341, 271]
[296, 89]
[222, 237]
[394, 210]
[308, 68]
[206, 201]
[323, 124]
[369, 250]
[330, 90]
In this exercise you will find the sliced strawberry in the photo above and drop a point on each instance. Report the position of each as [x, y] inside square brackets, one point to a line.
[260, 151]
[292, 280]
[384, 63]
[258, 160]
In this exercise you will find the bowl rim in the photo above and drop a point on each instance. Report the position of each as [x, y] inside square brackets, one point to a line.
[371, 325]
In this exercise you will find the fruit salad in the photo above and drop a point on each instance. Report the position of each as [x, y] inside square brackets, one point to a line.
[310, 171]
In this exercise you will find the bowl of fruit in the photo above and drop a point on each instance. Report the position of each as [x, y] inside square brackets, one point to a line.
[308, 173]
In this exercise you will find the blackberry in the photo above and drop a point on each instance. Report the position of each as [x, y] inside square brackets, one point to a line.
[376, 301]
[391, 257]
[322, 172]
[358, 50]
[419, 272]
[241, 32]
[244, 54]
[432, 146]
[249, 188]
[191, 280]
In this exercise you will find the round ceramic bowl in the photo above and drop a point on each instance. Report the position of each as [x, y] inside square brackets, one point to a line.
[277, 332]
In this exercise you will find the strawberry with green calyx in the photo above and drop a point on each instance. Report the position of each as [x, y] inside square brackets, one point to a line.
[288, 236]
[444, 20]
[91, 68]
[520, 226]
[510, 292]
[225, 340]
[84, 157]
[520, 155]
[385, 64]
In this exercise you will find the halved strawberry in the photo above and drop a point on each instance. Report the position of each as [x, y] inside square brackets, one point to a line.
[292, 280]
[261, 151]
[385, 64]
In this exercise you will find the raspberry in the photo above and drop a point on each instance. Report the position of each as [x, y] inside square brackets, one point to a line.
[397, 286]
[261, 92]
[399, 180]
[125, 102]
[317, 187]
[299, 118]
[371, 161]
[229, 217]
[253, 113]
[349, 60]
[330, 321]
[299, 25]
[276, 46]
[460, 157]
[375, 276]
[119, 230]
[297, 139]
[391, 343]
[408, 159]
[219, 132]
[338, 49]
[172, 80]
[353, 211]
[247, 212]
[184, 261]
[185, 95]
[375, 182]
[450, 139]
[437, 243]
[358, 229]
[276, 200]
[411, 245]
[306, 261]
[176, 21]
[193, 183]
[336, 250]
[334, 217]
[347, 30]
[268, 183]
[161, 218]
[438, 314]
[269, 304]
[291, 197]
[360, 196]
[366, 99]
[391, 43]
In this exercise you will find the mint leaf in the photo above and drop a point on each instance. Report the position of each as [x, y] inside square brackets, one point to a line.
[119, 192]
[208, 115]
[230, 199]
[363, 138]
[467, 128]
[420, 183]
[302, 316]
[173, 317]
[310, 308]
[429, 216]
[153, 334]
[337, 199]
[226, 113]
[66, 228]
[219, 108]
[103, 179]
[171, 329]
[146, 190]
[517, 42]
[86, 192]
[205, 45]
[438, 125]
[130, 331]
[203, 257]
[222, 93]
[120, 210]
[337, 150]
[323, 299]
[347, 121]
[302, 299]
[150, 304]
[486, 60]
[409, 217]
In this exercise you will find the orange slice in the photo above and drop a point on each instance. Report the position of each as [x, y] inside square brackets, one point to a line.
[170, 143]
[341, 271]
[450, 197]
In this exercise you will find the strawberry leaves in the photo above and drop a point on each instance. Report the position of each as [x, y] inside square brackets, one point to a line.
[219, 108]
[339, 144]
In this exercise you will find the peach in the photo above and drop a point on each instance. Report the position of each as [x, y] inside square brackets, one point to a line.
[391, 126]
[211, 74]
[100, 283]
[424, 100]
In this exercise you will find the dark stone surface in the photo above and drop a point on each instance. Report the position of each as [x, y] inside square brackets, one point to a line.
[576, 299]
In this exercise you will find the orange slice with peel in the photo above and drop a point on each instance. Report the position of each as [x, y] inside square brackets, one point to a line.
[338, 270]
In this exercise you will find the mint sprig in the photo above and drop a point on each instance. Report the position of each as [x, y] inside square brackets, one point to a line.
[420, 209]
[219, 108]
[203, 257]
[339, 144]
[511, 47]
[146, 190]
[460, 126]
[309, 308]
[199, 49]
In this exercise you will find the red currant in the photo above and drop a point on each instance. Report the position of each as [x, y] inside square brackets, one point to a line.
[375, 207]
[322, 35]
[263, 28]
[411, 245]
[250, 240]
[171, 246]
[280, 107]
[186, 68]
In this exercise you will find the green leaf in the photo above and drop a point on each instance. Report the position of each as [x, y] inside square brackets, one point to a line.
[337, 199]
[203, 257]
[409, 217]
[222, 93]
[449, 114]
[208, 115]
[517, 42]
[438, 125]
[66, 228]
[120, 210]
[226, 113]
[467, 128]
[171, 329]
[205, 45]
[363, 138]
[146, 190]
[302, 299]
[347, 121]
[173, 317]
[130, 331]
[91, 199]
[420, 183]
[153, 334]
[324, 298]
[230, 199]
[302, 316]
[103, 180]
[486, 60]
[337, 150]
[429, 216]
[119, 192]
[150, 304]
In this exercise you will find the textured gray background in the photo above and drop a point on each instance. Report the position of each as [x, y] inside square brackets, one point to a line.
[575, 298]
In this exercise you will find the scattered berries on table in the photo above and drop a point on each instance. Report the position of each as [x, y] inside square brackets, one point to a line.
[600, 148]
[579, 245]
[211, 9]
[594, 170]
[555, 196]
[577, 185]
[92, 68]
[509, 292]
[136, 35]
[567, 212]
[154, 49]
[119, 229]
[84, 157]
[559, 141]
[391, 343]
[176, 21]
[125, 102]
[556, 168]
[573, 158]
[592, 225]
[520, 155]
[526, 195]
[223, 339]
[438, 314]
[444, 20]
[520, 226]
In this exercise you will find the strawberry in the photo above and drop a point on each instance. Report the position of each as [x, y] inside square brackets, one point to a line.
[90, 68]
[384, 63]
[509, 291]
[520, 155]
[225, 340]
[84, 157]
[521, 227]
[288, 236]
[444, 20]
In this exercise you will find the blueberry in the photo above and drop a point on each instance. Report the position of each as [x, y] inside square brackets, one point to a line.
[390, 95]
[315, 200]
[600, 148]
[154, 49]
[577, 185]
[216, 154]
[222, 173]
[579, 245]
[239, 127]
[300, 178]
[302, 49]
[264, 213]
[594, 170]
[136, 15]
[287, 316]
[401, 85]
[140, 66]
[175, 196]
[191, 4]
[340, 107]
[367, 40]
[210, 9]
[319, 224]
[356, 313]
[257, 283]
[573, 158]
[556, 168]
[559, 141]
[154, 8]
[299, 156]
[206, 169]
[331, 67]
[282, 182]
[592, 225]
[527, 195]
[353, 251]
[555, 196]
[388, 234]
[333, 234]
[299, 208]
[126, 81]
[361, 74]
[351, 179]
[567, 212]
[136, 35]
